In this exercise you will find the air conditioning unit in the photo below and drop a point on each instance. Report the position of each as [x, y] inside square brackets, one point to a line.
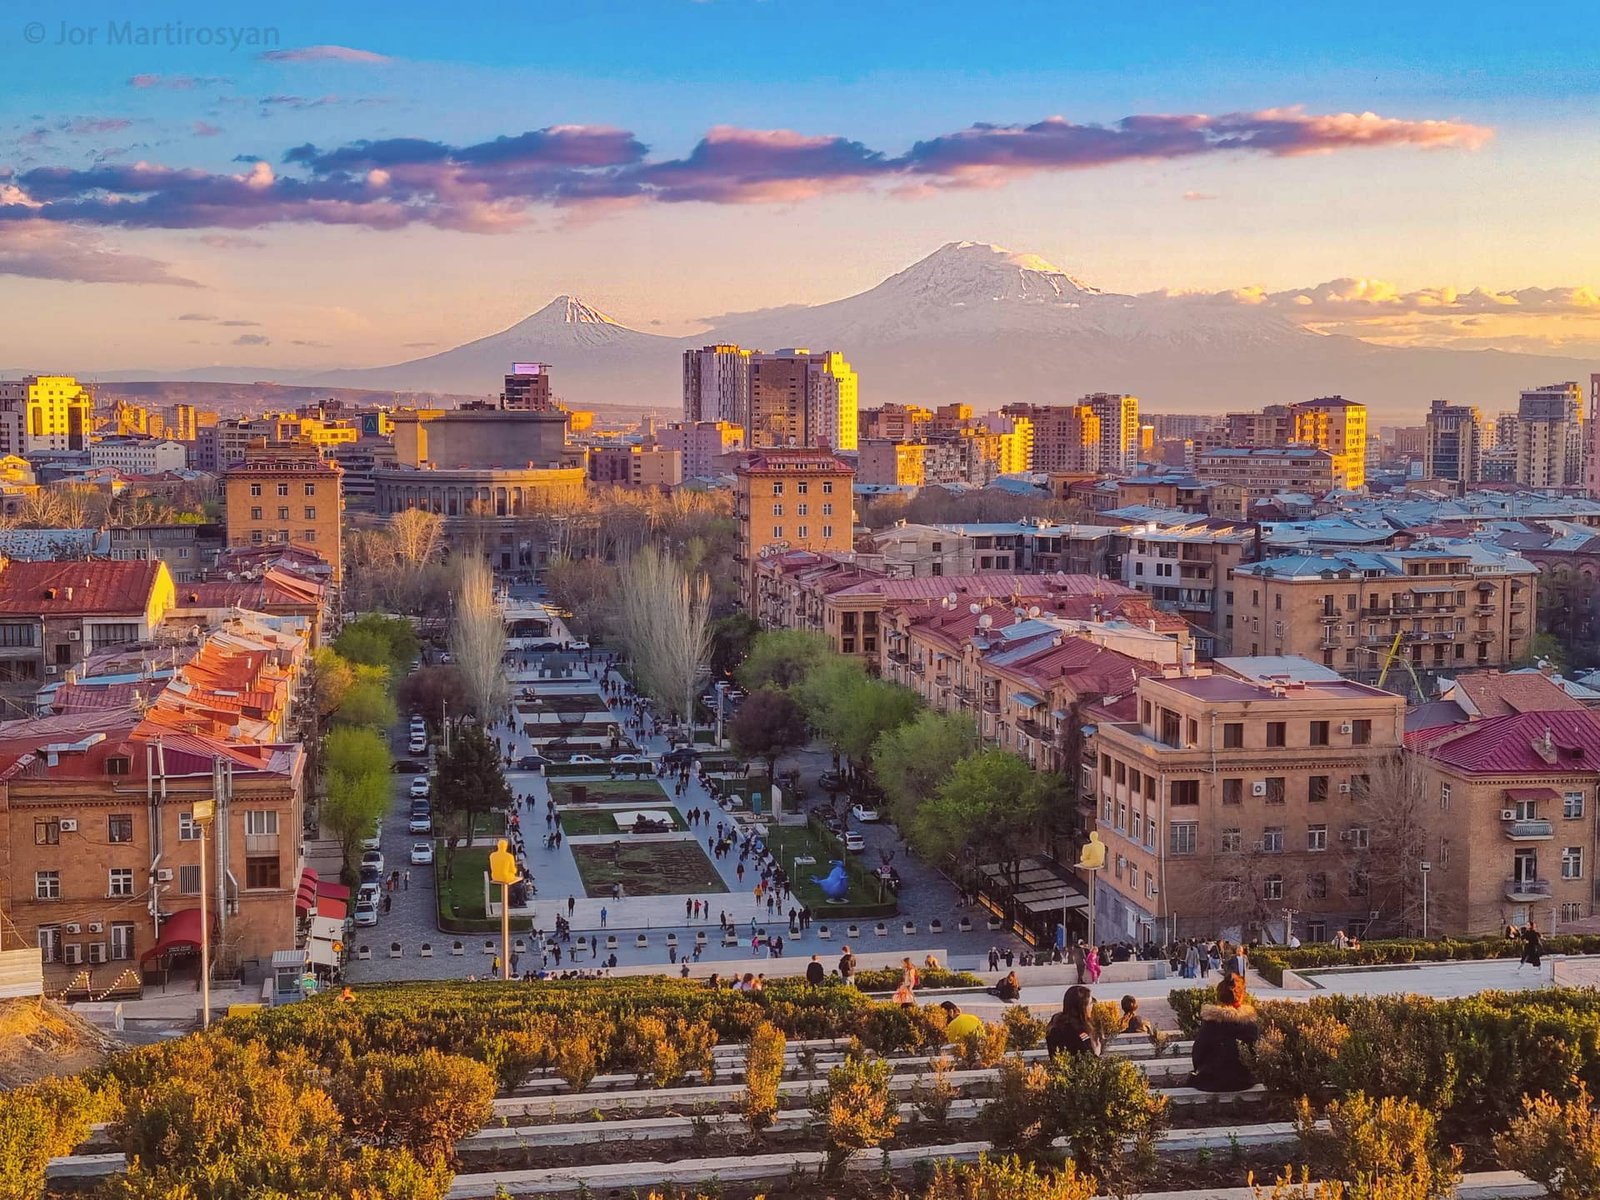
[1258, 788]
[1260, 847]
[1345, 836]
[1154, 890]
[51, 669]
[69, 825]
[1506, 814]
[164, 875]
[96, 927]
[74, 927]
[74, 635]
[74, 954]
[1344, 789]
[97, 952]
[1374, 915]
[1345, 727]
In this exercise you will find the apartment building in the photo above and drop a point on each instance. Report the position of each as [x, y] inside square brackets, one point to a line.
[1185, 569]
[1265, 470]
[1549, 437]
[896, 422]
[527, 388]
[1443, 605]
[882, 463]
[1454, 446]
[636, 467]
[1338, 426]
[1230, 805]
[701, 444]
[1068, 438]
[286, 495]
[790, 499]
[716, 385]
[138, 455]
[1510, 808]
[1118, 417]
[188, 550]
[45, 412]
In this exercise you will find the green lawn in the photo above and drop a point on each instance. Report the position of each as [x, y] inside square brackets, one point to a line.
[600, 820]
[461, 896]
[640, 791]
[790, 841]
[646, 869]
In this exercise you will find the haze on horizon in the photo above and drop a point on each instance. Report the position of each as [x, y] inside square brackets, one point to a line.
[372, 184]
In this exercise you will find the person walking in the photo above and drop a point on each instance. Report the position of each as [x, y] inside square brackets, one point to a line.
[572, 903]
[1091, 963]
[1071, 1030]
[847, 965]
[815, 972]
[602, 916]
[407, 878]
[906, 994]
[1078, 959]
[1191, 961]
[1532, 947]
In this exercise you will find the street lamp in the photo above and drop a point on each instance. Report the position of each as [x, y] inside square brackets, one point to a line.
[503, 870]
[204, 811]
[1092, 858]
[1424, 866]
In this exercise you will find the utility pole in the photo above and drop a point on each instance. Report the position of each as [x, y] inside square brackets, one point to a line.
[1425, 867]
[204, 810]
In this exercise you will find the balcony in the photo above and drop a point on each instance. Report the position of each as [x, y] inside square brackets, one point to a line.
[1519, 631]
[1483, 610]
[1329, 618]
[942, 679]
[260, 843]
[1331, 641]
[918, 667]
[991, 704]
[1031, 728]
[1527, 891]
[898, 657]
[1530, 830]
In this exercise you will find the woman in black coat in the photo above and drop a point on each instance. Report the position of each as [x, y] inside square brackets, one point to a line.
[1225, 1027]
[1070, 1030]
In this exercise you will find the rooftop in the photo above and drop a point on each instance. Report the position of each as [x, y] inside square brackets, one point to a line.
[93, 587]
[1522, 744]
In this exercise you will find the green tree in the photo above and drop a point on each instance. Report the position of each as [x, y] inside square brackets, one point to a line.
[378, 641]
[768, 725]
[331, 677]
[359, 785]
[471, 778]
[992, 802]
[731, 639]
[910, 761]
[820, 692]
[782, 657]
[858, 717]
[367, 702]
[1549, 647]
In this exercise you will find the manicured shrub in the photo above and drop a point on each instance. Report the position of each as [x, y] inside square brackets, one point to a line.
[763, 1072]
[1557, 1144]
[934, 1094]
[1017, 1118]
[985, 1046]
[1005, 1179]
[1296, 1053]
[423, 1102]
[1105, 1018]
[43, 1121]
[654, 1054]
[1370, 1139]
[1024, 1031]
[1105, 1110]
[855, 1112]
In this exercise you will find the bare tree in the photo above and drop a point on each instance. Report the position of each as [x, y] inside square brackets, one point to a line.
[416, 536]
[665, 620]
[478, 638]
[1394, 808]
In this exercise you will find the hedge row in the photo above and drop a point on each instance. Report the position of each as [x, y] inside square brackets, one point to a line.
[1272, 961]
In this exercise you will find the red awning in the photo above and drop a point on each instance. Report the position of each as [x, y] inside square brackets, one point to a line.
[333, 891]
[180, 932]
[1533, 793]
[334, 909]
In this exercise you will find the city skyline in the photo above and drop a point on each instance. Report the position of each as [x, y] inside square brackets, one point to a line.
[273, 200]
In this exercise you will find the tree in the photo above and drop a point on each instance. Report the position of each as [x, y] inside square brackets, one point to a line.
[768, 725]
[782, 657]
[358, 785]
[855, 1110]
[992, 802]
[378, 641]
[470, 777]
[1397, 806]
[367, 702]
[910, 761]
[417, 536]
[478, 639]
[435, 692]
[731, 639]
[664, 616]
[584, 587]
[859, 716]
[331, 678]
[820, 690]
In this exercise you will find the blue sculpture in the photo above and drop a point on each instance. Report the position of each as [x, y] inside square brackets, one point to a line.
[836, 884]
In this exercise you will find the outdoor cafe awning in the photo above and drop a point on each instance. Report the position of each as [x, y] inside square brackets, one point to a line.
[306, 898]
[326, 929]
[181, 931]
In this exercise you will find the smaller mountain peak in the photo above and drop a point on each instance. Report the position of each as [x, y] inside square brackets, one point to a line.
[988, 254]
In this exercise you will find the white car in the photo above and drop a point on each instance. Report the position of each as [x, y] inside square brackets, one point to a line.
[417, 746]
[373, 858]
[854, 842]
[368, 893]
[420, 822]
[864, 812]
[421, 854]
[630, 758]
[583, 758]
[577, 645]
[420, 787]
[367, 912]
[375, 842]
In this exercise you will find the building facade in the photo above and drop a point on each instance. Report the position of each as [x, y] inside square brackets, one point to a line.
[1119, 430]
[790, 500]
[287, 496]
[716, 385]
[138, 455]
[49, 412]
[527, 388]
[1549, 433]
[1454, 446]
[636, 467]
[701, 444]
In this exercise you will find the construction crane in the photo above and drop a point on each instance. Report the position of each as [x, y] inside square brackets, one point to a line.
[1394, 656]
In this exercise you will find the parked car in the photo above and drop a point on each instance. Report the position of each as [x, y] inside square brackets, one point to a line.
[583, 758]
[369, 892]
[374, 859]
[417, 746]
[408, 766]
[371, 875]
[830, 781]
[421, 785]
[374, 840]
[532, 762]
[420, 823]
[421, 854]
[367, 912]
[854, 842]
[864, 812]
[629, 758]
[578, 646]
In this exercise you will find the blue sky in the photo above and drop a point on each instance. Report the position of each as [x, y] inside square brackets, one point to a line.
[1478, 170]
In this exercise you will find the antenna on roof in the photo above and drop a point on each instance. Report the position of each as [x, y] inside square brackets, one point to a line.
[1033, 610]
[985, 621]
[974, 609]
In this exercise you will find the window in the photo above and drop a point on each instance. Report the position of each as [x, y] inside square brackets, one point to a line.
[1276, 790]
[1317, 931]
[1184, 792]
[777, 488]
[801, 487]
[311, 512]
[1316, 837]
[283, 489]
[188, 828]
[1317, 887]
[1233, 791]
[1185, 837]
[827, 487]
[1272, 887]
[1361, 732]
[827, 532]
[120, 827]
[308, 535]
[47, 885]
[261, 872]
[255, 512]
[1571, 912]
[803, 532]
[1358, 883]
[121, 941]
[801, 510]
[1572, 805]
[47, 833]
[14, 634]
[283, 512]
[777, 510]
[1233, 735]
[115, 635]
[1361, 785]
[1572, 862]
[1317, 788]
[1232, 891]
[311, 489]
[1272, 839]
[827, 511]
[1444, 797]
[1133, 879]
[1135, 828]
[260, 820]
[121, 882]
[1232, 841]
[1319, 733]
[1360, 837]
[50, 943]
[1277, 733]
[255, 536]
[777, 531]
[119, 764]
[255, 489]
[189, 880]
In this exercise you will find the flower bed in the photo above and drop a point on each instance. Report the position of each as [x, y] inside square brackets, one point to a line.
[645, 868]
[1271, 962]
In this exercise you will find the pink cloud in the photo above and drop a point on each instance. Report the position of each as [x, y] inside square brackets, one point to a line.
[345, 54]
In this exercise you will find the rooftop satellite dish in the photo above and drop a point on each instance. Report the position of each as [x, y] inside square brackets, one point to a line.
[974, 609]
[1033, 610]
[952, 598]
[985, 621]
[1019, 612]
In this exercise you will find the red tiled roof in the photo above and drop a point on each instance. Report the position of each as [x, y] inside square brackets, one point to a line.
[779, 461]
[1515, 744]
[1495, 694]
[98, 588]
[997, 587]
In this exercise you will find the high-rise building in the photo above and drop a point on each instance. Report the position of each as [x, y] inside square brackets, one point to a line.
[897, 422]
[1505, 431]
[701, 443]
[1591, 462]
[49, 412]
[716, 385]
[180, 422]
[1550, 436]
[1338, 426]
[1119, 430]
[289, 496]
[1067, 438]
[790, 500]
[801, 398]
[1454, 446]
[528, 389]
